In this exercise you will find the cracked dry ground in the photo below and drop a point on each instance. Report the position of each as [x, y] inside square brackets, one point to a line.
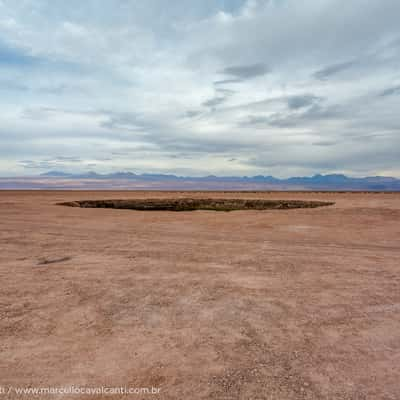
[288, 304]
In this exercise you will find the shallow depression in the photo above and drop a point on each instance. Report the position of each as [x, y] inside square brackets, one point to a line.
[196, 204]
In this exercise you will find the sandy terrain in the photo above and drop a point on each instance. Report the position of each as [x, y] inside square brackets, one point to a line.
[288, 304]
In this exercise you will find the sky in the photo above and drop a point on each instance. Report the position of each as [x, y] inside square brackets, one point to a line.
[189, 87]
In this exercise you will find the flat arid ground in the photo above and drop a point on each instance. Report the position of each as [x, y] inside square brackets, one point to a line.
[275, 304]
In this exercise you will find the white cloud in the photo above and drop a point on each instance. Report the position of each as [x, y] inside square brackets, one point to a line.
[278, 86]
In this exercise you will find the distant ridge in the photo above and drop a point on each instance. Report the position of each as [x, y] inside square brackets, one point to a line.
[57, 174]
[122, 179]
[126, 180]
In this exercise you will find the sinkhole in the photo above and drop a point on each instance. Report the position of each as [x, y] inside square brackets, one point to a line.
[186, 204]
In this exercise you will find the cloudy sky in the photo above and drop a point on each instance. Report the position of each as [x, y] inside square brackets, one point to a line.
[197, 87]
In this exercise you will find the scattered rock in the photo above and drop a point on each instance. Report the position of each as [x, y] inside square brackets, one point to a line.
[45, 261]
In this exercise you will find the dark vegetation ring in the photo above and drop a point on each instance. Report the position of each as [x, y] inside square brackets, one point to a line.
[186, 204]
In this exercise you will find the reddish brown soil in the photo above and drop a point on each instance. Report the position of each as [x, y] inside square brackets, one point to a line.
[280, 304]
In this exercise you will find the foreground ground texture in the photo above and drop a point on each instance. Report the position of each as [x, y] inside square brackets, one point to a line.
[280, 304]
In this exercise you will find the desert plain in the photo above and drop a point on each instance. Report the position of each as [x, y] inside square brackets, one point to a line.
[274, 304]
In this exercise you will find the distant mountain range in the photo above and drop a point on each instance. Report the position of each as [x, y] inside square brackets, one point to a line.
[129, 180]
